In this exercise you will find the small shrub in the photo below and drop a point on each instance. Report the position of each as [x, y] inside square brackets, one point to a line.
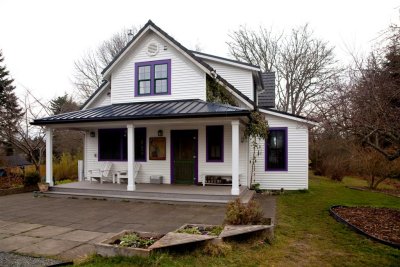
[66, 168]
[217, 249]
[31, 178]
[135, 241]
[238, 213]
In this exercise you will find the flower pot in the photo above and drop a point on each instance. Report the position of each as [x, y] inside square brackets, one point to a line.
[43, 187]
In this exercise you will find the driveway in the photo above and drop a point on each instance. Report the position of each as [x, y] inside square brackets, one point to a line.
[68, 228]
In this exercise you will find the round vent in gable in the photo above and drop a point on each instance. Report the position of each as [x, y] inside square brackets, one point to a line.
[152, 49]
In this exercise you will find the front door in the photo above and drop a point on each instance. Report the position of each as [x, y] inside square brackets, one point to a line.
[184, 156]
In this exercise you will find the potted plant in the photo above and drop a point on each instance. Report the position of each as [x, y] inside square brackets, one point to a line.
[43, 186]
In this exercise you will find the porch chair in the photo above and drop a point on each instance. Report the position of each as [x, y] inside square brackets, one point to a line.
[101, 174]
[124, 174]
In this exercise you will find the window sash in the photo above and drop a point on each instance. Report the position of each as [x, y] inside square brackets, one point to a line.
[215, 143]
[159, 71]
[276, 150]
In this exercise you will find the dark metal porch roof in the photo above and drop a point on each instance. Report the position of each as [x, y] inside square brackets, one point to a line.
[146, 111]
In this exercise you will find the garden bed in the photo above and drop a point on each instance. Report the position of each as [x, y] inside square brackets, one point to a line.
[128, 243]
[200, 229]
[380, 224]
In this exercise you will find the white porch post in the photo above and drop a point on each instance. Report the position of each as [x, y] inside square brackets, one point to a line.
[235, 158]
[49, 156]
[131, 157]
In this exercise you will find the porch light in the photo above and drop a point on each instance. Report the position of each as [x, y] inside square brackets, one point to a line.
[92, 134]
[160, 133]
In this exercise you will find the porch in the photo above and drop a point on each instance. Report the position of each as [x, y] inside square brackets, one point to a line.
[151, 192]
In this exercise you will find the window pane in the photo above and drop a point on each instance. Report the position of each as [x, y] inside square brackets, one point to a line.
[144, 73]
[140, 144]
[161, 71]
[112, 144]
[144, 87]
[161, 86]
[215, 141]
[276, 150]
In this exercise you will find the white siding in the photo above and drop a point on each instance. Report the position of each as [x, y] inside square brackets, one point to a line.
[241, 78]
[297, 175]
[102, 100]
[187, 80]
[162, 167]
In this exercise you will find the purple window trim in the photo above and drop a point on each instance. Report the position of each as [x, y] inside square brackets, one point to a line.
[222, 144]
[152, 83]
[121, 145]
[145, 144]
[196, 162]
[285, 129]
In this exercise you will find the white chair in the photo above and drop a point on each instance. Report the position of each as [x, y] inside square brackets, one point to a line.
[101, 174]
[124, 174]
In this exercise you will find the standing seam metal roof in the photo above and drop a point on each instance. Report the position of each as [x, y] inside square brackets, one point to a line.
[146, 110]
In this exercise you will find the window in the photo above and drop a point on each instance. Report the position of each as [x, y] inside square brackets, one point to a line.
[140, 144]
[276, 157]
[113, 144]
[215, 143]
[153, 78]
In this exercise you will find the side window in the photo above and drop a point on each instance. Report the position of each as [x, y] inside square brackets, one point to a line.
[276, 150]
[215, 143]
[113, 144]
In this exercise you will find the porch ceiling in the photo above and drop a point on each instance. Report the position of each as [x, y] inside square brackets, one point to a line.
[146, 111]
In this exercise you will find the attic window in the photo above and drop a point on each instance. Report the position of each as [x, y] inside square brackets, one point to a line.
[153, 78]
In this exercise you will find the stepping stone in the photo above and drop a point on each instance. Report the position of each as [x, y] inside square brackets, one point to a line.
[233, 230]
[175, 239]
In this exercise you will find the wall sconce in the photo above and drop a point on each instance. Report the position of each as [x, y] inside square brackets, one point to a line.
[160, 133]
[92, 134]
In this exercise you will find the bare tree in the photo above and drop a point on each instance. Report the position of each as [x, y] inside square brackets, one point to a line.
[305, 65]
[87, 70]
[25, 137]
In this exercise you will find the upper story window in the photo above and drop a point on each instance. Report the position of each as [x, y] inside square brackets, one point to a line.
[276, 150]
[153, 78]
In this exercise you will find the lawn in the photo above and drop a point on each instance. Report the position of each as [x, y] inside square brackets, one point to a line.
[305, 235]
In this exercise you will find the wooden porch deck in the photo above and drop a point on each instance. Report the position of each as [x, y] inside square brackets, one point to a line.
[152, 192]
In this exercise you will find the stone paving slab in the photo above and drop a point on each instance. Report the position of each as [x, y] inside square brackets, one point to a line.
[78, 235]
[48, 231]
[101, 238]
[49, 247]
[17, 242]
[80, 252]
[4, 223]
[2, 236]
[18, 228]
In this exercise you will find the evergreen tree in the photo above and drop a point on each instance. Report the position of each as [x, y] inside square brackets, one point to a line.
[10, 112]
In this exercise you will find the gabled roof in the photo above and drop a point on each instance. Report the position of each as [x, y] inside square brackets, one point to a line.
[225, 60]
[203, 65]
[95, 93]
[193, 108]
[288, 116]
[14, 160]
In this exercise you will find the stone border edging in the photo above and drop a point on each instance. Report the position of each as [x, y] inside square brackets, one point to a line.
[19, 190]
[358, 230]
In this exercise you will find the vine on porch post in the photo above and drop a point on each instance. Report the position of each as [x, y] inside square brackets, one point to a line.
[256, 128]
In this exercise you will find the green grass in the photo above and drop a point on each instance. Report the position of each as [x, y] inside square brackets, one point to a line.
[305, 236]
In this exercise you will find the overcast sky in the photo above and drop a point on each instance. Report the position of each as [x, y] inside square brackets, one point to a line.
[42, 39]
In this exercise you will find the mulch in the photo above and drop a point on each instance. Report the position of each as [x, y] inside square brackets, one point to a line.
[380, 223]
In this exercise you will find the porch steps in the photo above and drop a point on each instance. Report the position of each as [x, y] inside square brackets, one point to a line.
[245, 196]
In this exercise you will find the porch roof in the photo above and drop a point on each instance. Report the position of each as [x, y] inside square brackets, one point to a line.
[193, 108]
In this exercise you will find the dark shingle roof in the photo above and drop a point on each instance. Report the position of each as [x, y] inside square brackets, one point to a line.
[266, 98]
[14, 160]
[146, 111]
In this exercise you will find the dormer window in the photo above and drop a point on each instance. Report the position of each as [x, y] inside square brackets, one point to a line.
[153, 78]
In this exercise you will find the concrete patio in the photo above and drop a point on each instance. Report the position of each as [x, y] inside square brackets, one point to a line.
[67, 228]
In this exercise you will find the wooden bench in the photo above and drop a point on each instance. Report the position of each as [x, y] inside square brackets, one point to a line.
[217, 174]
